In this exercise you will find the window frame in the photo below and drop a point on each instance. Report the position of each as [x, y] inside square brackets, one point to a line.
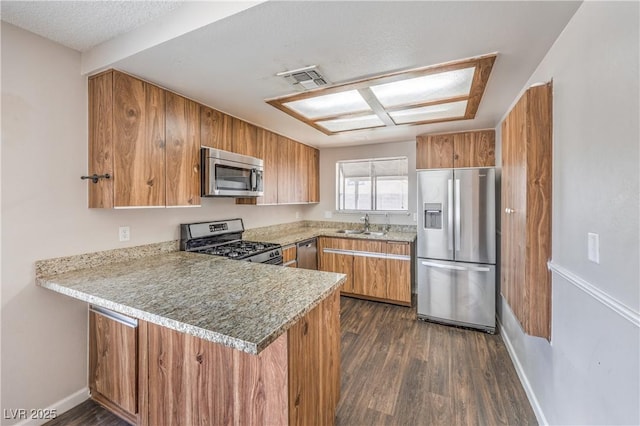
[373, 178]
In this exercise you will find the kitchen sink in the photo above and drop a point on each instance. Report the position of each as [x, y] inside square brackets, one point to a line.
[350, 231]
[377, 233]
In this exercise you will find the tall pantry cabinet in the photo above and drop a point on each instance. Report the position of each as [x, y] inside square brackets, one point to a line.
[526, 210]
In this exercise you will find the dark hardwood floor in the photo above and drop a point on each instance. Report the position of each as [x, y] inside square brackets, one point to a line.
[399, 371]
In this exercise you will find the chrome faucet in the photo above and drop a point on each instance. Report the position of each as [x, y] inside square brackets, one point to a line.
[366, 222]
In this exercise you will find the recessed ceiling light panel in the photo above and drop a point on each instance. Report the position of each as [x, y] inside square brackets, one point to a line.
[428, 88]
[444, 92]
[430, 113]
[348, 102]
[351, 123]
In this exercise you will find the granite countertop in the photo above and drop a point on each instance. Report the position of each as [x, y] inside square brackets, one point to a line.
[239, 304]
[290, 235]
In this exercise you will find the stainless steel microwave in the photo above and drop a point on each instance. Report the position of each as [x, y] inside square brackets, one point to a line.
[227, 174]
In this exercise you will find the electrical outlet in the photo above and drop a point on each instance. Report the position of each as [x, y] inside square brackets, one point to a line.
[327, 214]
[297, 215]
[124, 233]
[415, 217]
[593, 247]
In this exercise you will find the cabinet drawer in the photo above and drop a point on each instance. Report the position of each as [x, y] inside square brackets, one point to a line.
[397, 247]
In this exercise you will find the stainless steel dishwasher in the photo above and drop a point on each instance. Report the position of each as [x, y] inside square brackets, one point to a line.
[308, 254]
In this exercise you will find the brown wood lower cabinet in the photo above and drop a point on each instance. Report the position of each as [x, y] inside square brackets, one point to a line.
[376, 270]
[113, 366]
[185, 380]
[289, 256]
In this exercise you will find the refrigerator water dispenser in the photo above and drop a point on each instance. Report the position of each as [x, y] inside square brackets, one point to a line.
[432, 215]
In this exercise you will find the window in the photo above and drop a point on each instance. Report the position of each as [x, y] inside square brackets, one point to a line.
[373, 184]
[433, 94]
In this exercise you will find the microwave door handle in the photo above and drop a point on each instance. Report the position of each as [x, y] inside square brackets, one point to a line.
[254, 180]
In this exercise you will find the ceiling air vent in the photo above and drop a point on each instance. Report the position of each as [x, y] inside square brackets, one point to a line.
[306, 78]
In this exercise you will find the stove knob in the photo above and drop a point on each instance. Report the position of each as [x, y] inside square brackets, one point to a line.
[271, 254]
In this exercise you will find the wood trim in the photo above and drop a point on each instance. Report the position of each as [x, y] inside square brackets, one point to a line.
[386, 78]
[479, 84]
[483, 66]
[430, 103]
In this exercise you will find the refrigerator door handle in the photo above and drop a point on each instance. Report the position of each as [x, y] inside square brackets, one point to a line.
[457, 215]
[450, 214]
[456, 268]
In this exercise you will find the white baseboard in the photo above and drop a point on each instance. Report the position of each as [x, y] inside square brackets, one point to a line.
[535, 405]
[61, 406]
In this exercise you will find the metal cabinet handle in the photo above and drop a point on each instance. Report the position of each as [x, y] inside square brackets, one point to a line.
[115, 316]
[450, 214]
[457, 216]
[509, 211]
[456, 268]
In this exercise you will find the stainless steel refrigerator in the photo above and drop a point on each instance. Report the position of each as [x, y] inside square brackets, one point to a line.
[456, 247]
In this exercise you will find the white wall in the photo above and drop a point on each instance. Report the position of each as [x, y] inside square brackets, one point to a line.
[44, 215]
[589, 374]
[328, 158]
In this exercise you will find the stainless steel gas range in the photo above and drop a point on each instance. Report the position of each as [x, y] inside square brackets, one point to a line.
[224, 238]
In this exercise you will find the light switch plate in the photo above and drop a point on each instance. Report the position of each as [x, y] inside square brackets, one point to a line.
[593, 247]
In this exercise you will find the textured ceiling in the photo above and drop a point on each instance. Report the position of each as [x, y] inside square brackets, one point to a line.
[82, 25]
[231, 64]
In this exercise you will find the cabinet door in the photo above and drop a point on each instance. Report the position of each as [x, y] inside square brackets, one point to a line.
[336, 262]
[314, 175]
[139, 142]
[513, 237]
[399, 272]
[286, 170]
[215, 129]
[434, 151]
[268, 151]
[301, 172]
[101, 139]
[474, 149]
[370, 271]
[182, 151]
[245, 138]
[289, 256]
[113, 371]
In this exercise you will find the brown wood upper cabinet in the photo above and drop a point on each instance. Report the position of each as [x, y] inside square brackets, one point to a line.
[526, 210]
[182, 151]
[221, 131]
[456, 150]
[216, 129]
[128, 140]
